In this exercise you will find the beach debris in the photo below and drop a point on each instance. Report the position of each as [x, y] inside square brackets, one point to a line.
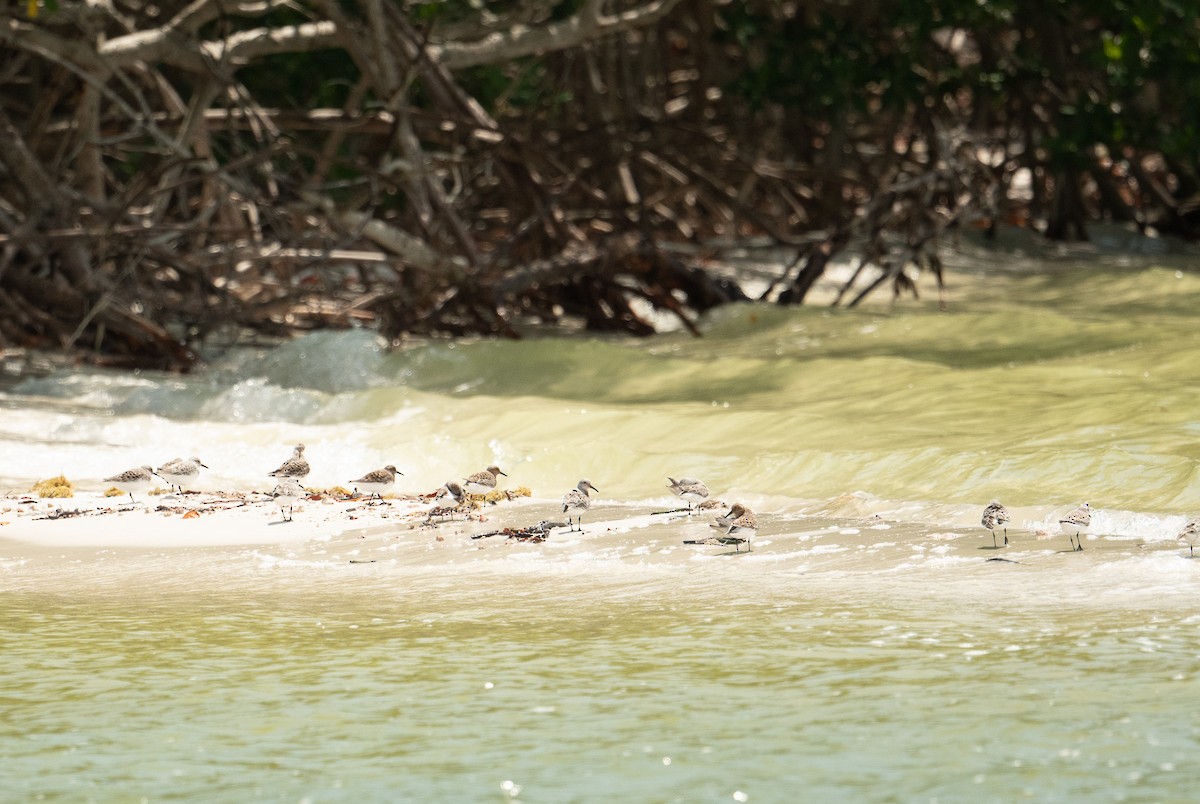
[63, 513]
[531, 533]
[55, 487]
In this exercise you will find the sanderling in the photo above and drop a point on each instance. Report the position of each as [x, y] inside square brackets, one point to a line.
[451, 490]
[132, 480]
[690, 489]
[294, 466]
[577, 500]
[375, 483]
[483, 482]
[1190, 534]
[736, 528]
[1075, 523]
[996, 516]
[443, 507]
[181, 473]
[285, 495]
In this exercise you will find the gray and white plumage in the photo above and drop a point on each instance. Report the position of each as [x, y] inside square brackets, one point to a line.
[483, 482]
[181, 473]
[294, 466]
[137, 479]
[1075, 523]
[447, 500]
[996, 516]
[377, 481]
[690, 489]
[286, 494]
[452, 490]
[1190, 534]
[577, 500]
[736, 528]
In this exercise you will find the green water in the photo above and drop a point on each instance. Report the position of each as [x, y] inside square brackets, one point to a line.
[638, 692]
[865, 651]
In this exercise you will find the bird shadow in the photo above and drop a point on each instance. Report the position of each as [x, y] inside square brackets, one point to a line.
[281, 522]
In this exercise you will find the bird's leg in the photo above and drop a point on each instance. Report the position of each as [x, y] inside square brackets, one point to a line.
[1006, 537]
[994, 539]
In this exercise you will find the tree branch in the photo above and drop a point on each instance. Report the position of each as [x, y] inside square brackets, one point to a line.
[521, 40]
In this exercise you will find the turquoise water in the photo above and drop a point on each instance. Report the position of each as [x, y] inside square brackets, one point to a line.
[866, 649]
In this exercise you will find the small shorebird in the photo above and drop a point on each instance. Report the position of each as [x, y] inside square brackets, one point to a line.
[1190, 534]
[577, 500]
[443, 507]
[736, 528]
[690, 489]
[294, 466]
[285, 495]
[483, 482]
[181, 474]
[376, 482]
[996, 516]
[132, 480]
[1075, 523]
[453, 491]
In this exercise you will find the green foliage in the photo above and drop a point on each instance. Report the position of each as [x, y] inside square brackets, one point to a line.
[1113, 72]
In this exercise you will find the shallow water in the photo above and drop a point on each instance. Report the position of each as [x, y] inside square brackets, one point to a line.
[866, 649]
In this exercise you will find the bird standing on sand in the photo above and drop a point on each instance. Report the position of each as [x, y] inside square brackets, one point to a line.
[996, 516]
[577, 500]
[1075, 523]
[1190, 534]
[286, 495]
[736, 528]
[690, 489]
[443, 507]
[376, 482]
[453, 491]
[131, 480]
[294, 466]
[483, 482]
[181, 474]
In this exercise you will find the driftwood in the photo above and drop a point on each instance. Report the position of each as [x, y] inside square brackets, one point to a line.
[531, 533]
[156, 189]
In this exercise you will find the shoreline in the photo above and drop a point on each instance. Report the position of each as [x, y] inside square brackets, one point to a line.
[201, 519]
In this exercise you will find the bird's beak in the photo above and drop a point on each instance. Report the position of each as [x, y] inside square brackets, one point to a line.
[203, 464]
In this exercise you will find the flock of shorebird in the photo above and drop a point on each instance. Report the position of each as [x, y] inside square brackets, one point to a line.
[1074, 524]
[733, 528]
